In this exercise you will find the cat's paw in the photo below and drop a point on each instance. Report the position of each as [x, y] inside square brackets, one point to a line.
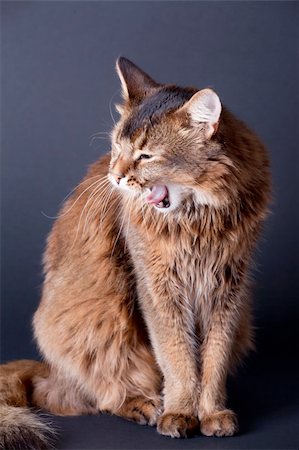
[142, 410]
[177, 425]
[221, 423]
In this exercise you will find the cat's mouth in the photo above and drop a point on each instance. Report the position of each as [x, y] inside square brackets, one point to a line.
[159, 196]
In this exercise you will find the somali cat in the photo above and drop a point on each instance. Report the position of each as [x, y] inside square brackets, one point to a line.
[145, 305]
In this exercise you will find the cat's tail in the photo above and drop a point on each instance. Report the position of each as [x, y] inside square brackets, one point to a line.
[20, 428]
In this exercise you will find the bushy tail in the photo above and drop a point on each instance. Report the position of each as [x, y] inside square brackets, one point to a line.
[20, 428]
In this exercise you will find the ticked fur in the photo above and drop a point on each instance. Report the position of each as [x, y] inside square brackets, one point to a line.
[146, 305]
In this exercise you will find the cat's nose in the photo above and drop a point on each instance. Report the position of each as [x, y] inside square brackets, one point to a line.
[117, 176]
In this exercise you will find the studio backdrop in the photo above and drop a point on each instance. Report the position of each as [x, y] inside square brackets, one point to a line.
[58, 92]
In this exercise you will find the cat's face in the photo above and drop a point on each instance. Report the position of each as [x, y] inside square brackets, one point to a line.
[163, 150]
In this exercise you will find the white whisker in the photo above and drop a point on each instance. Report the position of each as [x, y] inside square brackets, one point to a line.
[110, 107]
[119, 232]
[128, 222]
[105, 207]
[97, 200]
[90, 197]
[70, 193]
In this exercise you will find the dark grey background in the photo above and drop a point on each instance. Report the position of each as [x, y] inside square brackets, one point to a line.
[58, 84]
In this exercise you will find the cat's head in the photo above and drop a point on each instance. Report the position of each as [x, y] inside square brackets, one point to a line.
[164, 147]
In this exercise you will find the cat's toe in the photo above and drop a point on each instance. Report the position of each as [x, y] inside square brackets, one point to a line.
[152, 410]
[141, 410]
[221, 423]
[177, 425]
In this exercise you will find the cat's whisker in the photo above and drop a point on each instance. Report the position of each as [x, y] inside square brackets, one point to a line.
[70, 193]
[110, 107]
[128, 222]
[117, 237]
[132, 204]
[97, 138]
[121, 226]
[97, 206]
[111, 225]
[105, 207]
[113, 222]
[101, 182]
[91, 201]
[95, 203]
[85, 205]
[106, 200]
[98, 133]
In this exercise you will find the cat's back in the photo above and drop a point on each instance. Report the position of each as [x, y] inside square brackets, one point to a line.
[243, 145]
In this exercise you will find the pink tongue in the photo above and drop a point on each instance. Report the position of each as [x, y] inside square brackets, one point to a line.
[158, 193]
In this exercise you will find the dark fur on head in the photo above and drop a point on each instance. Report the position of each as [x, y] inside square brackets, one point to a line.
[152, 108]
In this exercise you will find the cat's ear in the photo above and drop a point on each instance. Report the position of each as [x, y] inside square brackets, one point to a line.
[204, 107]
[135, 83]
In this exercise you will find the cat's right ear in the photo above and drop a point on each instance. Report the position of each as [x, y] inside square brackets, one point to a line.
[135, 83]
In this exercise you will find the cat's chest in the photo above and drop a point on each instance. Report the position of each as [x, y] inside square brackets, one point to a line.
[186, 263]
[191, 265]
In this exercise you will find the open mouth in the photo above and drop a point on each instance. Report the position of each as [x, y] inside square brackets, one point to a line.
[159, 196]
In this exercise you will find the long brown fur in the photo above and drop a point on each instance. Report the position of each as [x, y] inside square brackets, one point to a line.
[144, 312]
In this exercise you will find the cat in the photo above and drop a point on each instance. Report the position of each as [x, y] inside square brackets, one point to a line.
[146, 304]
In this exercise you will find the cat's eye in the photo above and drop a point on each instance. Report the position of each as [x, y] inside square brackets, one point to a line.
[143, 156]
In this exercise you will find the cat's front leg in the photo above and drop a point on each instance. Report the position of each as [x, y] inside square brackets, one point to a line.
[171, 327]
[216, 357]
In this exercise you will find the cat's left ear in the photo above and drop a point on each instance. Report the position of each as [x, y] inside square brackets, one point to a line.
[204, 107]
[135, 83]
